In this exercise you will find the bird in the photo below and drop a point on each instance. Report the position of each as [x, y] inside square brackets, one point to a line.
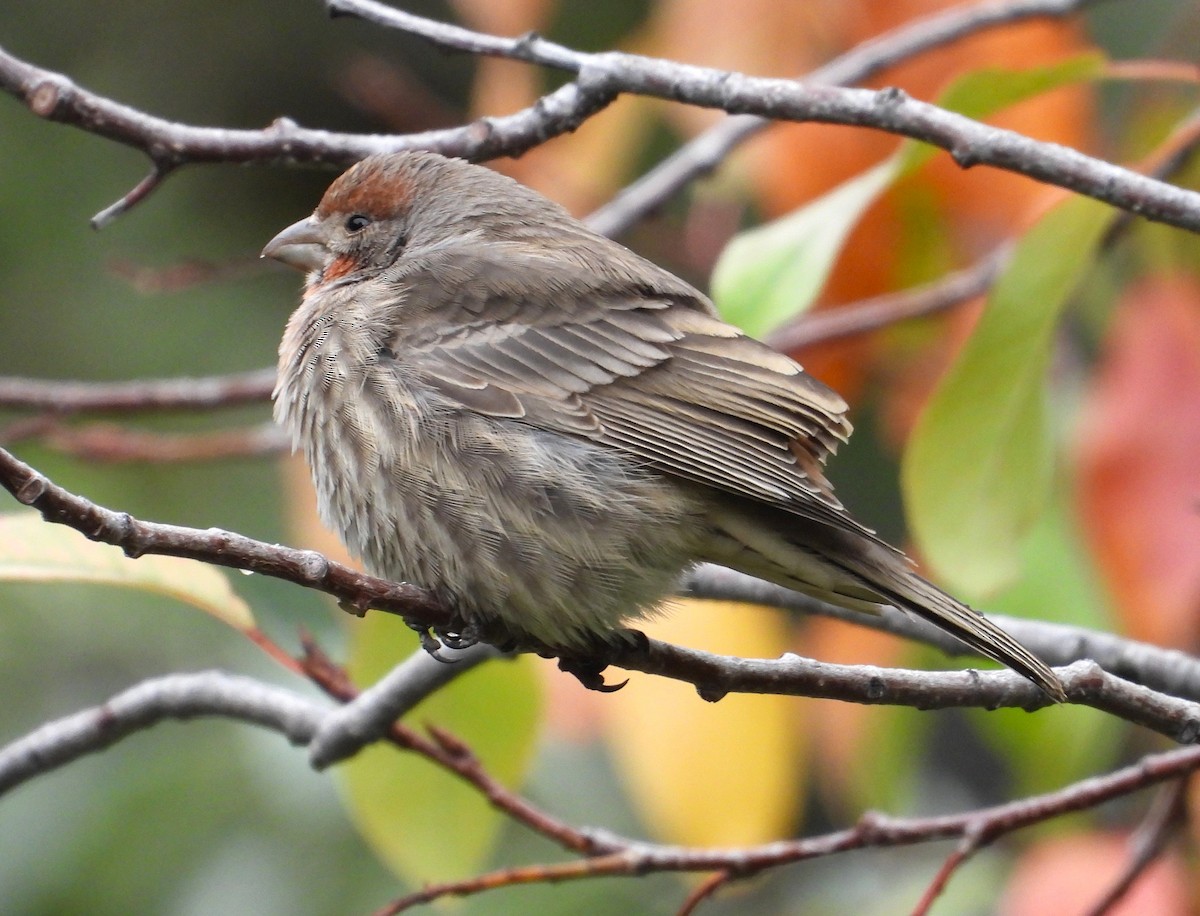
[546, 430]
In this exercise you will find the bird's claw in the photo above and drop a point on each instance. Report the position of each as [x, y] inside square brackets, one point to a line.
[462, 637]
[590, 673]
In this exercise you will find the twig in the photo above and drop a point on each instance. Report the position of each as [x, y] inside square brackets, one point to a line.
[862, 317]
[969, 142]
[712, 675]
[703, 891]
[871, 831]
[705, 152]
[108, 442]
[1168, 671]
[453, 755]
[136, 195]
[1148, 843]
[176, 696]
[67, 397]
[601, 78]
[969, 844]
[170, 145]
[215, 693]
[304, 567]
[1085, 682]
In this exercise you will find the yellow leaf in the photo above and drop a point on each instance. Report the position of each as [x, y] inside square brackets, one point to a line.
[424, 823]
[699, 773]
[32, 550]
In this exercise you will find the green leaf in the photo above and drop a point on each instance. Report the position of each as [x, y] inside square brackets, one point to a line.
[977, 470]
[32, 550]
[772, 273]
[424, 823]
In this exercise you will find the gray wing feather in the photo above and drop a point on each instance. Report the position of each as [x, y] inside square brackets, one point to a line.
[658, 376]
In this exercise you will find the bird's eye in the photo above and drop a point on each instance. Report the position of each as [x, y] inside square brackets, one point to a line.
[357, 223]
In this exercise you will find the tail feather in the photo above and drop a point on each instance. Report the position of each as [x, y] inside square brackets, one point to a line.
[853, 568]
[926, 600]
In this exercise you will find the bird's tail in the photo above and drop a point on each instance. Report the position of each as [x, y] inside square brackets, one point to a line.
[926, 600]
[853, 568]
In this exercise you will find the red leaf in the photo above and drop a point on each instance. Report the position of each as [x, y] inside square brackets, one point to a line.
[1139, 462]
[1068, 876]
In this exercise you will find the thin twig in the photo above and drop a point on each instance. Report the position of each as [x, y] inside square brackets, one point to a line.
[1148, 843]
[601, 78]
[867, 315]
[170, 145]
[67, 397]
[136, 195]
[871, 831]
[969, 844]
[705, 152]
[703, 891]
[112, 443]
[456, 757]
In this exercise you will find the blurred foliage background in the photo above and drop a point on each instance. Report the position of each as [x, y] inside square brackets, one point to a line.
[209, 817]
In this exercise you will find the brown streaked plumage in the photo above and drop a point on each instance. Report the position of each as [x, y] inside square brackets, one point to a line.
[546, 429]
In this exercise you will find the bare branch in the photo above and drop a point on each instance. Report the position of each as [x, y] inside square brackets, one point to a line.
[871, 831]
[304, 567]
[136, 195]
[1168, 671]
[970, 843]
[1085, 683]
[817, 328]
[1148, 843]
[216, 693]
[704, 153]
[453, 755]
[170, 144]
[66, 397]
[969, 142]
[864, 61]
[176, 696]
[703, 891]
[368, 716]
[712, 675]
[601, 78]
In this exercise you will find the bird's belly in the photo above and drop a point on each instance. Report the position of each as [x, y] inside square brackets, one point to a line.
[552, 537]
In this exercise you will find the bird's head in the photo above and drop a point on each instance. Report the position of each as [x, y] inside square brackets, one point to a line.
[390, 203]
[362, 224]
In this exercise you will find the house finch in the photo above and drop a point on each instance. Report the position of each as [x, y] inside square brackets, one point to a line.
[546, 430]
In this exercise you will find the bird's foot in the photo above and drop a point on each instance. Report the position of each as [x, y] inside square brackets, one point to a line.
[588, 666]
[589, 672]
[459, 635]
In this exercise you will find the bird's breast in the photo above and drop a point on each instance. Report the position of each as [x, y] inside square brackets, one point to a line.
[556, 537]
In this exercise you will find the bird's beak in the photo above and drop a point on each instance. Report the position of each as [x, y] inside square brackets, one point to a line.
[300, 245]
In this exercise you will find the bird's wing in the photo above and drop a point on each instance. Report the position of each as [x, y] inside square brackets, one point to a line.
[656, 375]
